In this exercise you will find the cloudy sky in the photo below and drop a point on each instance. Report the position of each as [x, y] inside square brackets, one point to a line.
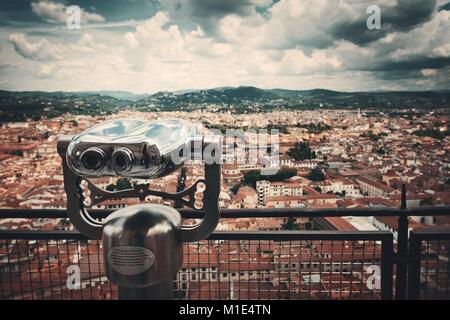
[150, 45]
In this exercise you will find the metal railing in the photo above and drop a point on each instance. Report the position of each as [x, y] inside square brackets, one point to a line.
[429, 270]
[228, 265]
[242, 265]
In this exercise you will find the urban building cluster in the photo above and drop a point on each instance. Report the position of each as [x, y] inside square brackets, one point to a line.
[329, 159]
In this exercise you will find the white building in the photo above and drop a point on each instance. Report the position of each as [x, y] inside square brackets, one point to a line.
[346, 187]
[277, 189]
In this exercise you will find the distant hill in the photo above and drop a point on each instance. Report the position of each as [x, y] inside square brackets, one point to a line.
[249, 93]
[17, 106]
[244, 99]
[123, 95]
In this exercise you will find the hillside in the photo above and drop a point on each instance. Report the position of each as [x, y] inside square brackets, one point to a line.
[17, 106]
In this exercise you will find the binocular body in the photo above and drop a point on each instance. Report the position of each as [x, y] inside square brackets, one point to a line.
[131, 148]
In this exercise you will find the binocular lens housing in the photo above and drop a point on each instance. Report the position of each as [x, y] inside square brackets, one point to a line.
[93, 158]
[122, 160]
[131, 148]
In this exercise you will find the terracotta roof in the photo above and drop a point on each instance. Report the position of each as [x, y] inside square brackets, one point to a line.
[340, 223]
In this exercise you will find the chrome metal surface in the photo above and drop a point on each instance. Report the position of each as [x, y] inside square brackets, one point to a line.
[131, 148]
[142, 246]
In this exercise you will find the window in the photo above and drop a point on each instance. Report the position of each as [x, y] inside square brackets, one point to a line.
[194, 276]
[224, 274]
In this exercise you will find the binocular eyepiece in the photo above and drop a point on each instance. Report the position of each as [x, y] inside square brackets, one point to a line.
[122, 159]
[93, 158]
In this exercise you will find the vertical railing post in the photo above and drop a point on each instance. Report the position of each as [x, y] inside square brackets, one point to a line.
[402, 250]
[415, 250]
[386, 268]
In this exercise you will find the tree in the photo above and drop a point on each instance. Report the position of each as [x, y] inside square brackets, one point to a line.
[283, 174]
[426, 202]
[315, 128]
[251, 177]
[318, 189]
[316, 174]
[17, 153]
[280, 128]
[290, 225]
[301, 151]
[235, 188]
[433, 133]
[381, 151]
[123, 184]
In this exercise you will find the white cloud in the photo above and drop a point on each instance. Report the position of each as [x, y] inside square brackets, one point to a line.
[46, 70]
[39, 50]
[130, 40]
[430, 39]
[87, 44]
[428, 72]
[289, 47]
[55, 12]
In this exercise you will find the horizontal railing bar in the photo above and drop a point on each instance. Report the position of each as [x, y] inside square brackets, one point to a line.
[41, 235]
[433, 234]
[250, 213]
[324, 212]
[301, 235]
[218, 235]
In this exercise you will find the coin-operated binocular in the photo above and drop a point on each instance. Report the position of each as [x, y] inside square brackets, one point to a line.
[142, 244]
